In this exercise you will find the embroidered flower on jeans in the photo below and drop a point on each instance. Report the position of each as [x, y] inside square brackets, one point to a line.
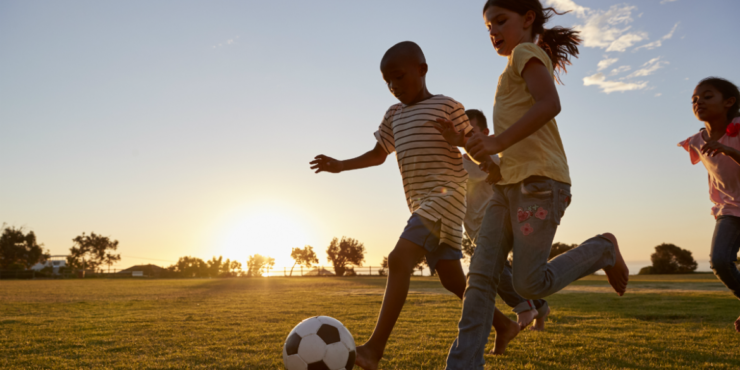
[522, 215]
[526, 229]
[733, 129]
[541, 213]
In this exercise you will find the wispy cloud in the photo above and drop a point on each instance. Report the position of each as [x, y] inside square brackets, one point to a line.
[619, 70]
[657, 43]
[603, 64]
[667, 1]
[649, 67]
[568, 5]
[609, 87]
[228, 42]
[658, 94]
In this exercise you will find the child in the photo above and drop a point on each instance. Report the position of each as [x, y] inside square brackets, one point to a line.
[716, 102]
[434, 182]
[534, 191]
[479, 194]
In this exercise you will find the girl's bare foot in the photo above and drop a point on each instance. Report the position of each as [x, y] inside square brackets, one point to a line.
[525, 318]
[539, 321]
[367, 358]
[737, 325]
[503, 337]
[618, 275]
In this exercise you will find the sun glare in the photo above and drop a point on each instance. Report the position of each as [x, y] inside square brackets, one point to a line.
[267, 231]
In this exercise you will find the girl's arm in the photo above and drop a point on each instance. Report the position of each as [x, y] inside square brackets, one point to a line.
[712, 148]
[547, 105]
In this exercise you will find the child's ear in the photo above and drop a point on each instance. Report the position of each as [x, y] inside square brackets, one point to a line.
[529, 18]
[423, 69]
[730, 102]
[486, 132]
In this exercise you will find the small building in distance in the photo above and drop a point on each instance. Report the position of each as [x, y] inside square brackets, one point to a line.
[143, 271]
[55, 262]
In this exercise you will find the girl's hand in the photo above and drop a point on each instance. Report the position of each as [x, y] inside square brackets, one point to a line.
[326, 164]
[449, 132]
[481, 147]
[494, 173]
[712, 148]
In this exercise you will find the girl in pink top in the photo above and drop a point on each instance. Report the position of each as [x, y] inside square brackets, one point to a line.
[716, 102]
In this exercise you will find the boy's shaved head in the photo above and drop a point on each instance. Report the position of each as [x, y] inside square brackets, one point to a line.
[404, 52]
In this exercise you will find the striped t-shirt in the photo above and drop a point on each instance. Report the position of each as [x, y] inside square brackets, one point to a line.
[434, 178]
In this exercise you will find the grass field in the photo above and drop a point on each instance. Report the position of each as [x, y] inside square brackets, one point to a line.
[668, 322]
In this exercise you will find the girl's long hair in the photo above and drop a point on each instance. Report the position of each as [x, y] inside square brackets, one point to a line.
[728, 90]
[559, 43]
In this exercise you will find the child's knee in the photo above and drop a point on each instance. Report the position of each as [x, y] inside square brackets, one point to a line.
[527, 289]
[398, 262]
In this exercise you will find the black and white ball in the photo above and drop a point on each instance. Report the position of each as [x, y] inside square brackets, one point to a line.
[319, 343]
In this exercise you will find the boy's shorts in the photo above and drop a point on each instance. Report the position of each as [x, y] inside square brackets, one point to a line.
[425, 233]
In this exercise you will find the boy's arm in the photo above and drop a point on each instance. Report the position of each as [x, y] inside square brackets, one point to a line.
[712, 148]
[547, 105]
[374, 157]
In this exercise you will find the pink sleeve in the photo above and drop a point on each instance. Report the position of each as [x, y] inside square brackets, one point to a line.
[692, 152]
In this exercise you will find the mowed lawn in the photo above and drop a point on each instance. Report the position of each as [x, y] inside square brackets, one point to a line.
[668, 322]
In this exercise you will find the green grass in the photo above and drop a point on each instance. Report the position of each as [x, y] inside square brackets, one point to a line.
[671, 322]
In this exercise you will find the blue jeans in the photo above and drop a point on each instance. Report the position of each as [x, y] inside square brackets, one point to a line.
[725, 245]
[522, 218]
[512, 298]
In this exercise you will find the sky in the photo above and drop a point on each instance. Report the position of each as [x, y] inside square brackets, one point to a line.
[185, 128]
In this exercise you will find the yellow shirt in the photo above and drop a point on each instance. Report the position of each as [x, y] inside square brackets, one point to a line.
[541, 153]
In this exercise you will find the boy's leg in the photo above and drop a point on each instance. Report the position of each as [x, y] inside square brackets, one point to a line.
[540, 204]
[401, 262]
[525, 309]
[479, 300]
[725, 245]
[452, 277]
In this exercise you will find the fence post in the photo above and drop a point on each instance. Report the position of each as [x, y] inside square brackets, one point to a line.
[371, 271]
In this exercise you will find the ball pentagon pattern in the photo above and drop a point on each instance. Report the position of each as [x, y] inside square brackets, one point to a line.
[319, 343]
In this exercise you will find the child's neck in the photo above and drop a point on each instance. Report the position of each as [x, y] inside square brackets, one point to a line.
[424, 94]
[716, 128]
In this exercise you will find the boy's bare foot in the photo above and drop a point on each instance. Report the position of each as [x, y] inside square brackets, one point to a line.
[618, 275]
[737, 325]
[539, 321]
[366, 358]
[525, 318]
[503, 338]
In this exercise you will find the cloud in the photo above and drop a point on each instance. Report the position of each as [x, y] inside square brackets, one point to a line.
[606, 63]
[657, 43]
[226, 43]
[666, 1]
[649, 67]
[658, 94]
[609, 87]
[568, 5]
[608, 29]
[619, 70]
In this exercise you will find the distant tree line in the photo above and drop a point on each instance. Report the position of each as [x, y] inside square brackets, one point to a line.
[670, 259]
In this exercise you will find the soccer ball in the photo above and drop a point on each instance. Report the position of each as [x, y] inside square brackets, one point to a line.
[319, 343]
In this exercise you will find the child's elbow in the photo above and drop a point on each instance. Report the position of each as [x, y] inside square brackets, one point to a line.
[555, 107]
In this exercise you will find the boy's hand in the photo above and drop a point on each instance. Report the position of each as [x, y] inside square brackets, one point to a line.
[712, 148]
[449, 132]
[482, 146]
[326, 164]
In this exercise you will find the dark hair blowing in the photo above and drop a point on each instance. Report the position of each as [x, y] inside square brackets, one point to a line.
[480, 118]
[728, 90]
[559, 43]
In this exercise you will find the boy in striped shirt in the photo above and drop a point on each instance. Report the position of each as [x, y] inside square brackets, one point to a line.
[434, 181]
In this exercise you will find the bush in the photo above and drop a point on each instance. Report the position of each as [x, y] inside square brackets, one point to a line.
[647, 270]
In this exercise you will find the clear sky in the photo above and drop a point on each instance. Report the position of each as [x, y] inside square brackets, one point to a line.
[186, 127]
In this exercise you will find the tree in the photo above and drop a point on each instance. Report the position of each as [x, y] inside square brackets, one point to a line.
[189, 267]
[20, 251]
[345, 252]
[303, 257]
[670, 259]
[467, 248]
[89, 252]
[111, 259]
[560, 248]
[383, 267]
[258, 265]
[215, 266]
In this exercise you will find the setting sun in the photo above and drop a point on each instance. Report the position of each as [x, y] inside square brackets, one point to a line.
[269, 231]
